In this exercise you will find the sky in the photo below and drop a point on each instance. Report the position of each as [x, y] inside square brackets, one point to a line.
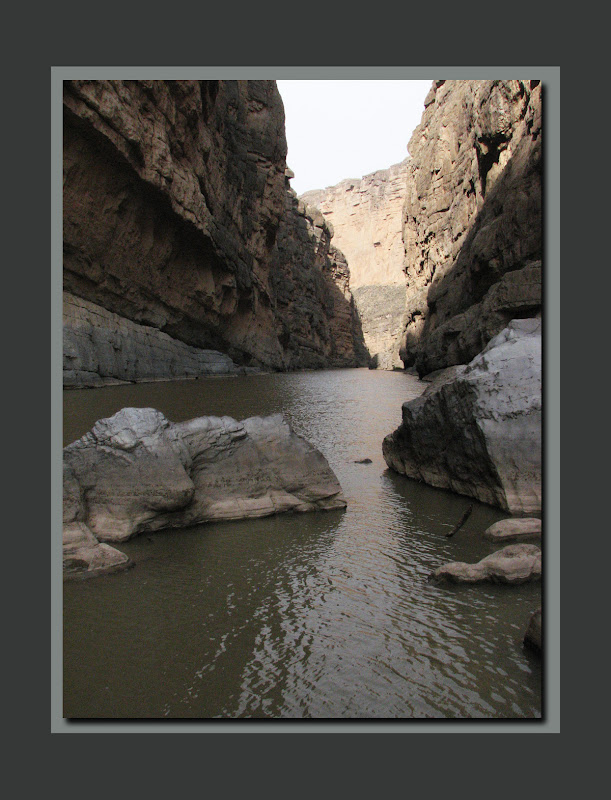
[338, 129]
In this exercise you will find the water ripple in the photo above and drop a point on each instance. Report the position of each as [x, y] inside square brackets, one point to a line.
[324, 615]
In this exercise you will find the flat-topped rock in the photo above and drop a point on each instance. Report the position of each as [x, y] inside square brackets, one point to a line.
[517, 563]
[508, 530]
[136, 471]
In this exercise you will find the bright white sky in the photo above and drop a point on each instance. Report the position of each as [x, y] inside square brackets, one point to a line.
[346, 129]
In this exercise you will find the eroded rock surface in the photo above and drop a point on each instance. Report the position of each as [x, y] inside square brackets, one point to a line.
[174, 194]
[366, 219]
[477, 429]
[516, 563]
[100, 347]
[318, 325]
[508, 530]
[85, 556]
[472, 221]
[136, 471]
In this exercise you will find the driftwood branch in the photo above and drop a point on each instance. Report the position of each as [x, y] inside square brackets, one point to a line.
[463, 519]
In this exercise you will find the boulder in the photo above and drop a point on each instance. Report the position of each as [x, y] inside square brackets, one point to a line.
[508, 530]
[136, 471]
[516, 563]
[533, 637]
[477, 429]
[84, 556]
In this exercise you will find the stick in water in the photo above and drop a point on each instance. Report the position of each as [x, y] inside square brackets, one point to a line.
[463, 519]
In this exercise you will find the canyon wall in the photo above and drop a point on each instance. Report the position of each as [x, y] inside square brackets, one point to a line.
[366, 220]
[176, 209]
[472, 219]
[310, 280]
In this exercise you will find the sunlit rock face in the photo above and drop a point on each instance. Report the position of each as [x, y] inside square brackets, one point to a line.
[472, 219]
[174, 194]
[365, 216]
[136, 471]
[366, 219]
[477, 429]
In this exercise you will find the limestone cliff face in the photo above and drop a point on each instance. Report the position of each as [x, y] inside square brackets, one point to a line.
[174, 192]
[472, 220]
[366, 217]
[366, 220]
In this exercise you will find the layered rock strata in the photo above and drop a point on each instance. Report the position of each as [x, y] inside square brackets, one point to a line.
[310, 282]
[366, 220]
[472, 219]
[174, 193]
[381, 312]
[136, 471]
[100, 347]
[477, 429]
[514, 564]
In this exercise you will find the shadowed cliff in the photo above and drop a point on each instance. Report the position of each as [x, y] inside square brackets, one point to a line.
[174, 197]
[472, 219]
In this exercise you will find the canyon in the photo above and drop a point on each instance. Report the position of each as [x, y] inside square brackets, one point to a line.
[188, 254]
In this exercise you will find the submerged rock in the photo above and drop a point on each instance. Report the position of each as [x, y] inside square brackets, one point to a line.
[136, 471]
[508, 530]
[476, 430]
[517, 563]
[533, 637]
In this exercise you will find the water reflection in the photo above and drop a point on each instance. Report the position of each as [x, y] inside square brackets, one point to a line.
[321, 615]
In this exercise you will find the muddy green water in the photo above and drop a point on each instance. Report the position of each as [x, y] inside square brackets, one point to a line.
[326, 615]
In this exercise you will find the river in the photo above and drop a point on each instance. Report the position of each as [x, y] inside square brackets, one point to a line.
[325, 615]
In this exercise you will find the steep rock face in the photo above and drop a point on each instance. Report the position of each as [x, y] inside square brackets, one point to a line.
[472, 220]
[366, 221]
[173, 196]
[136, 471]
[381, 311]
[366, 216]
[310, 280]
[477, 430]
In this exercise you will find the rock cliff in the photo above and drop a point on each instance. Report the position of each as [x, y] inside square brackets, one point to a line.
[310, 282]
[472, 219]
[366, 221]
[174, 196]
